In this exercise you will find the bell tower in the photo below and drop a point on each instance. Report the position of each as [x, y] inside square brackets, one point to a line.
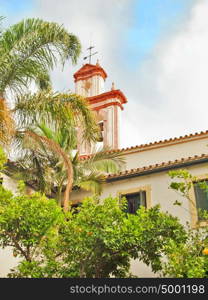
[89, 83]
[89, 80]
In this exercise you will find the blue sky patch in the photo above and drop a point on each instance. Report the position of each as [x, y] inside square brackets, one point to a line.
[16, 6]
[152, 19]
[15, 10]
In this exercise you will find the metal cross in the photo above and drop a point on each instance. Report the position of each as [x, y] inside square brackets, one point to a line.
[91, 54]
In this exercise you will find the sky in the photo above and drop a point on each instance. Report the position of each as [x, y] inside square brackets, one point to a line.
[156, 52]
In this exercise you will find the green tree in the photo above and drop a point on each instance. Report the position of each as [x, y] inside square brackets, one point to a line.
[75, 113]
[40, 165]
[188, 259]
[99, 241]
[2, 159]
[106, 238]
[58, 112]
[28, 51]
[25, 221]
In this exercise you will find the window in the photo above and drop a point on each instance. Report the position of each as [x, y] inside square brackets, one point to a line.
[101, 125]
[134, 201]
[201, 196]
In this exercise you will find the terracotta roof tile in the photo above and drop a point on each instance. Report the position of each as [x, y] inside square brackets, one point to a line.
[158, 166]
[88, 70]
[166, 142]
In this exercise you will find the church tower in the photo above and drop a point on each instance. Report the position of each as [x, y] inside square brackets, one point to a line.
[90, 83]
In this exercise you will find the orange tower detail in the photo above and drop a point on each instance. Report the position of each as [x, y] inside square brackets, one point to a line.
[89, 83]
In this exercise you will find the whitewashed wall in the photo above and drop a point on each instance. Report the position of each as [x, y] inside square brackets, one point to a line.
[142, 157]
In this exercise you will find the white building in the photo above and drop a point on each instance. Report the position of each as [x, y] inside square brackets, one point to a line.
[145, 180]
[146, 165]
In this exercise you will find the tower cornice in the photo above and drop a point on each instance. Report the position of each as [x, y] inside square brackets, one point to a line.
[88, 70]
[108, 95]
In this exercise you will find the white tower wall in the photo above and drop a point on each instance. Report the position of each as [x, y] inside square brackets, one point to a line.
[95, 84]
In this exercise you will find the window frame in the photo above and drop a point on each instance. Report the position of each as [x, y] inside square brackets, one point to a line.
[195, 221]
[197, 199]
[133, 211]
[146, 188]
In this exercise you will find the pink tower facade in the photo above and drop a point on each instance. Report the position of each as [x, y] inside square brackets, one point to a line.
[90, 83]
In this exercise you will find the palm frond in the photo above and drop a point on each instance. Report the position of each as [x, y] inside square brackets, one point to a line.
[46, 131]
[104, 160]
[59, 110]
[33, 170]
[93, 183]
[44, 141]
[33, 43]
[85, 116]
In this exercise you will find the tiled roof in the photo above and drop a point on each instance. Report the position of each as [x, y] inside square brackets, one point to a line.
[108, 95]
[166, 142]
[88, 70]
[161, 166]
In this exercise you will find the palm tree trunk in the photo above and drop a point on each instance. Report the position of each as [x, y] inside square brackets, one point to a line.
[68, 186]
[6, 122]
[58, 150]
[59, 194]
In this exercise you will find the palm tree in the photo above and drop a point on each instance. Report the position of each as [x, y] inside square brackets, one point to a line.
[27, 54]
[62, 112]
[58, 111]
[53, 172]
[28, 51]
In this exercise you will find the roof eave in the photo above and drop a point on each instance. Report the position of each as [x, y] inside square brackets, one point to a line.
[157, 170]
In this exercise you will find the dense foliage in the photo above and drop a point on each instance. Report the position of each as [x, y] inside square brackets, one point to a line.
[99, 240]
[188, 259]
[2, 159]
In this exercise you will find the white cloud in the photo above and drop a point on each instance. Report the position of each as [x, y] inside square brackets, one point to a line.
[101, 21]
[168, 94]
